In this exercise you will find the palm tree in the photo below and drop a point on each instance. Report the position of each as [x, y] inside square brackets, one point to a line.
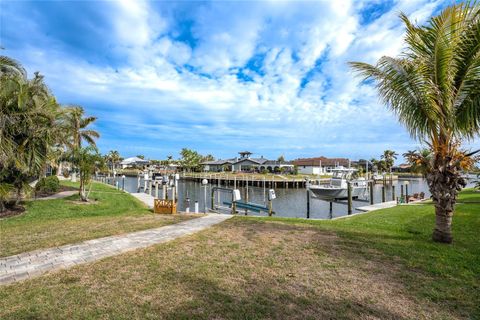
[434, 89]
[29, 119]
[389, 156]
[419, 160]
[76, 124]
[113, 157]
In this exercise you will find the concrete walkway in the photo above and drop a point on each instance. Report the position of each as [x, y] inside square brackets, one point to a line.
[377, 206]
[59, 195]
[145, 198]
[31, 264]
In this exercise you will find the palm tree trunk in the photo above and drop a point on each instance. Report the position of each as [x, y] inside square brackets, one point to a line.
[444, 183]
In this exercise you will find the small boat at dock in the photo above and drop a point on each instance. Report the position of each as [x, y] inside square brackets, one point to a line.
[337, 189]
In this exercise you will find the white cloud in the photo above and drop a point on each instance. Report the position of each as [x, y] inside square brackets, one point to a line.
[154, 92]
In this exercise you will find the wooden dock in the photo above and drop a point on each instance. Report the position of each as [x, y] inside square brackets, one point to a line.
[244, 180]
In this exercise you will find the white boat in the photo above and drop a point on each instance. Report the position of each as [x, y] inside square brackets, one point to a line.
[337, 189]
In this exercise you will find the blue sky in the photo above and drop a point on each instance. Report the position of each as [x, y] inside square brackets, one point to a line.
[219, 77]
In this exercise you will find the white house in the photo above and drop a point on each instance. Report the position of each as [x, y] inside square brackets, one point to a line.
[319, 165]
[133, 162]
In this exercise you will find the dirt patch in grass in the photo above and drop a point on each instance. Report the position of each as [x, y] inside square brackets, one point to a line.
[240, 269]
[12, 211]
[90, 201]
[62, 189]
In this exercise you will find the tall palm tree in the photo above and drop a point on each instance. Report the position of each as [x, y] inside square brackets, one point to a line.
[76, 124]
[434, 89]
[389, 156]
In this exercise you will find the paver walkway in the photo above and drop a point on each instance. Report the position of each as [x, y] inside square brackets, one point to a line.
[30, 264]
[59, 195]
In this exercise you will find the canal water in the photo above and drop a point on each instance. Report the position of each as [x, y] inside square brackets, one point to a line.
[288, 203]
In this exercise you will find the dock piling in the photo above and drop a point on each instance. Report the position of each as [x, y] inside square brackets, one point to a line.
[308, 204]
[349, 194]
[371, 192]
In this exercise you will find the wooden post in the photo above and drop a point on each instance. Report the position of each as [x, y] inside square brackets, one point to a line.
[138, 183]
[308, 204]
[246, 198]
[371, 192]
[349, 193]
[156, 190]
[164, 192]
[383, 193]
[270, 208]
[150, 191]
[212, 199]
[331, 210]
[401, 192]
[393, 192]
[234, 207]
[145, 186]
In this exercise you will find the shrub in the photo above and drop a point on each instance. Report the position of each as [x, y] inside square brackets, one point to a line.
[48, 184]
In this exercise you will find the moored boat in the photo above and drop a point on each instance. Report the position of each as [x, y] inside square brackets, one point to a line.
[337, 189]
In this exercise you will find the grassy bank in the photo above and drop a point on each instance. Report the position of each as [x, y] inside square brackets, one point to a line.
[48, 223]
[380, 265]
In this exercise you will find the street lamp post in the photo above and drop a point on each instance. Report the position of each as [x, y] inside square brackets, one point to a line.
[204, 183]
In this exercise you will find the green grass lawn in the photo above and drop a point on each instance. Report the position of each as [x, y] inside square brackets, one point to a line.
[448, 274]
[48, 223]
[378, 265]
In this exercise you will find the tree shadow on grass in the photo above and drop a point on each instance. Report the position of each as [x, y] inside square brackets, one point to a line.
[207, 300]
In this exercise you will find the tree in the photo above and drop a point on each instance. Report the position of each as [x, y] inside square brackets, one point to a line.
[208, 157]
[434, 89]
[190, 159]
[113, 157]
[375, 165]
[141, 156]
[389, 156]
[281, 158]
[76, 123]
[87, 160]
[419, 160]
[28, 127]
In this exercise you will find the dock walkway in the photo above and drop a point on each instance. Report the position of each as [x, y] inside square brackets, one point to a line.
[377, 206]
[145, 198]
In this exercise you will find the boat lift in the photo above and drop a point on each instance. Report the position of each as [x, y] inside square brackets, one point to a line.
[235, 202]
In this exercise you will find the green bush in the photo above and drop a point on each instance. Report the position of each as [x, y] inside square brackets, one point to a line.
[48, 184]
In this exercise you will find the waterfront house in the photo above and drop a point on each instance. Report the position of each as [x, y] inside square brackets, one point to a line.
[319, 165]
[246, 163]
[134, 162]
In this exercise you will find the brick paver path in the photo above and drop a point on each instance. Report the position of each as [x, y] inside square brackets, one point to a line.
[35, 263]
